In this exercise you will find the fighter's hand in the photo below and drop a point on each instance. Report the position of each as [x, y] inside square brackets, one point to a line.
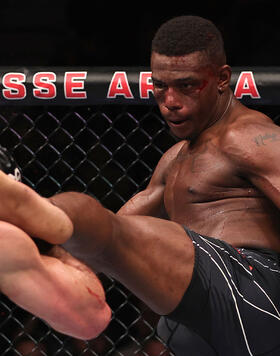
[23, 207]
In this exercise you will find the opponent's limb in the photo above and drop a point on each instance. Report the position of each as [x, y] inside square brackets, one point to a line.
[23, 207]
[59, 289]
[152, 257]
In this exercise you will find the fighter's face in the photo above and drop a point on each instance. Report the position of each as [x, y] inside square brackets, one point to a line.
[186, 91]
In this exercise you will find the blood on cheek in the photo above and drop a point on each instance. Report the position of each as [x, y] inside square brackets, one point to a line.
[197, 89]
[203, 85]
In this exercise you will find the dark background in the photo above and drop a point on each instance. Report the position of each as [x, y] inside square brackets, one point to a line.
[82, 33]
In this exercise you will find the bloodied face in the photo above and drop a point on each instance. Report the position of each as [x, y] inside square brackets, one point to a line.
[186, 90]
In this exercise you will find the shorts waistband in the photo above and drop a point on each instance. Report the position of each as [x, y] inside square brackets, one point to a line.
[265, 252]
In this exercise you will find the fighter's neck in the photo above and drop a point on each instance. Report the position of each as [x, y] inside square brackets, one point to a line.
[223, 108]
[221, 111]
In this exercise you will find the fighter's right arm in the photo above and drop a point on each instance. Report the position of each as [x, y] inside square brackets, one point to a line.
[58, 288]
[150, 202]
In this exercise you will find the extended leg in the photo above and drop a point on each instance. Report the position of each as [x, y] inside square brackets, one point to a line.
[152, 257]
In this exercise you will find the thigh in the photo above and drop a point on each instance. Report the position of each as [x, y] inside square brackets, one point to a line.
[152, 257]
[232, 300]
[183, 341]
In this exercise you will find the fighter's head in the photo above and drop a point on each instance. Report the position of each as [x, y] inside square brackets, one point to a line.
[8, 164]
[183, 35]
[190, 74]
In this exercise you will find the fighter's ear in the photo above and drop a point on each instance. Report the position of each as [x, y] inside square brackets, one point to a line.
[224, 76]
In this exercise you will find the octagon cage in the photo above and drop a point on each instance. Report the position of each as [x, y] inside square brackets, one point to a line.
[97, 131]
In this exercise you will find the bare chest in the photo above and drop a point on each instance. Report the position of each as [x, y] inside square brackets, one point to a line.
[201, 175]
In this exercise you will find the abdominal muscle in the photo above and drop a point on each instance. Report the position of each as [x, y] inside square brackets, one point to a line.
[242, 222]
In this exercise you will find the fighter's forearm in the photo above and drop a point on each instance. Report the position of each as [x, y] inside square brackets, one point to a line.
[57, 288]
[88, 217]
[148, 202]
[24, 208]
[85, 273]
[86, 314]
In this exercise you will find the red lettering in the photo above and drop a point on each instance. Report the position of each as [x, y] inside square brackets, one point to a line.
[45, 88]
[246, 86]
[73, 85]
[145, 85]
[14, 88]
[119, 86]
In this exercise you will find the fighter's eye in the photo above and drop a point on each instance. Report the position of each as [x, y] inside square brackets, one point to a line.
[186, 85]
[159, 85]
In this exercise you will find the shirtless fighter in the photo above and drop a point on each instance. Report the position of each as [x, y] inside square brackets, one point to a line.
[200, 245]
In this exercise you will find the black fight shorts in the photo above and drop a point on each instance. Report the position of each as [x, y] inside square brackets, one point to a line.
[232, 305]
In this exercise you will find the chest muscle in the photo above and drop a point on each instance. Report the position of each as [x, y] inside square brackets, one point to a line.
[201, 175]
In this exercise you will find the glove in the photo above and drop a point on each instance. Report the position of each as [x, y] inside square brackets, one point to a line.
[8, 164]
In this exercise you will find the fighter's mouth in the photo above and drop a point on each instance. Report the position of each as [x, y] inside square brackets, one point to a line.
[177, 122]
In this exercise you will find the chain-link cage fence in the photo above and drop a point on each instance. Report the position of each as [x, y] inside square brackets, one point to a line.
[110, 152]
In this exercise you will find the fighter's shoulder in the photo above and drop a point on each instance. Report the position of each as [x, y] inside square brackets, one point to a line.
[242, 134]
[172, 153]
[166, 161]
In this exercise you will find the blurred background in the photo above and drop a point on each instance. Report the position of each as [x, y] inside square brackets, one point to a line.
[82, 33]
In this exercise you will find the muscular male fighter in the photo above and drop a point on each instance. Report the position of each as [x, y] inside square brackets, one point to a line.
[201, 244]
[54, 286]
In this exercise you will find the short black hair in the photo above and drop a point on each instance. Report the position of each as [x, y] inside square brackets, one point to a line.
[183, 35]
